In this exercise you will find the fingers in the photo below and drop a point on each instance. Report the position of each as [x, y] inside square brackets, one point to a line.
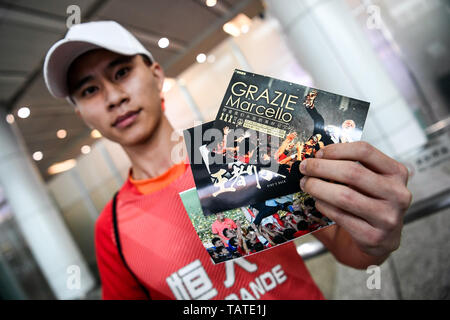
[371, 210]
[352, 224]
[358, 177]
[368, 155]
[350, 173]
[372, 240]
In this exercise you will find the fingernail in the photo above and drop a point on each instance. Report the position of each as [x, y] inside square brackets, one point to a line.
[302, 183]
[303, 166]
[319, 154]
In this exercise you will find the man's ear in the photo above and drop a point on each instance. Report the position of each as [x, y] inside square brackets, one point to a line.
[158, 73]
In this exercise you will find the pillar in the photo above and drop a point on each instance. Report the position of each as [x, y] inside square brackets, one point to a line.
[331, 46]
[40, 222]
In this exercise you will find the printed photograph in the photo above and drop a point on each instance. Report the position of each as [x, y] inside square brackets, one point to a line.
[243, 231]
[264, 128]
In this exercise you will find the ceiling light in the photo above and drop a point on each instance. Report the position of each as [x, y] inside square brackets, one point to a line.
[231, 29]
[10, 118]
[240, 24]
[61, 134]
[85, 149]
[163, 43]
[37, 156]
[96, 134]
[211, 3]
[23, 112]
[62, 166]
[201, 58]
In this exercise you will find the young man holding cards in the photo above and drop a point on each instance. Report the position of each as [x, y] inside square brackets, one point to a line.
[116, 87]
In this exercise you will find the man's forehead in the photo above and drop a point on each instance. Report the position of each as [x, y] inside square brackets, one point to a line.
[91, 62]
[93, 58]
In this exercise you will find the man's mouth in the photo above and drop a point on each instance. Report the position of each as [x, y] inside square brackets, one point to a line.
[126, 119]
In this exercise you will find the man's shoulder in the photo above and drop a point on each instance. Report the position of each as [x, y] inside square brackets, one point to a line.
[104, 220]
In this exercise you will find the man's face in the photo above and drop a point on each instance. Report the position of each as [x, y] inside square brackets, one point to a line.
[230, 233]
[118, 95]
[348, 124]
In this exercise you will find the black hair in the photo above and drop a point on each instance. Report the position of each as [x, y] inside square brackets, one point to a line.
[215, 239]
[211, 252]
[299, 214]
[233, 242]
[146, 59]
[278, 239]
[224, 232]
[316, 213]
[249, 244]
[220, 248]
[302, 225]
[289, 233]
[258, 246]
[310, 202]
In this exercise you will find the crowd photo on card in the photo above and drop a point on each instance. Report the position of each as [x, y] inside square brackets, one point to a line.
[250, 229]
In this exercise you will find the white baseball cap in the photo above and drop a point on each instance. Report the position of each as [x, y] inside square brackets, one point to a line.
[81, 38]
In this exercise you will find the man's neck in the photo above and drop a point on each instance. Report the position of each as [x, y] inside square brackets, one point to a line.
[153, 157]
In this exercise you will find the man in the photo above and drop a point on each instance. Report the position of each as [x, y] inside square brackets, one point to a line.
[220, 225]
[116, 87]
[216, 242]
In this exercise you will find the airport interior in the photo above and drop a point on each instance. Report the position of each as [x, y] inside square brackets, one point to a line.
[57, 174]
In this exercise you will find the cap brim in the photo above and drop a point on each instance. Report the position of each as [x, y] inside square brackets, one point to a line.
[58, 61]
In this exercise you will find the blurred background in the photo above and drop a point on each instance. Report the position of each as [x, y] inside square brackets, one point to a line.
[56, 174]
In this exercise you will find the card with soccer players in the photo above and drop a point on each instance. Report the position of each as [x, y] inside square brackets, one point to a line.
[264, 128]
[246, 163]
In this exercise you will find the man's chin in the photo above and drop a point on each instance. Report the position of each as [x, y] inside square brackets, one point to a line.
[135, 138]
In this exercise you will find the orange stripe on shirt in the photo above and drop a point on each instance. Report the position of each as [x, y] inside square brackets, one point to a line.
[147, 186]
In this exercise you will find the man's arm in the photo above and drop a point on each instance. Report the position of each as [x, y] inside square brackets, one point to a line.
[291, 136]
[368, 205]
[214, 229]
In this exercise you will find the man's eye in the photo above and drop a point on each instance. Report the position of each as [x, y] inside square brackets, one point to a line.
[88, 91]
[122, 72]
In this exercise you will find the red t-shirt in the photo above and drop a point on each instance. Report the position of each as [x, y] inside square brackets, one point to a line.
[217, 227]
[162, 248]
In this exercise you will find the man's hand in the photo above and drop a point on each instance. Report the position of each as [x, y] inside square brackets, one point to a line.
[367, 198]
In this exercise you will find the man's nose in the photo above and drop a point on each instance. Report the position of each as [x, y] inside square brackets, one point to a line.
[115, 96]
